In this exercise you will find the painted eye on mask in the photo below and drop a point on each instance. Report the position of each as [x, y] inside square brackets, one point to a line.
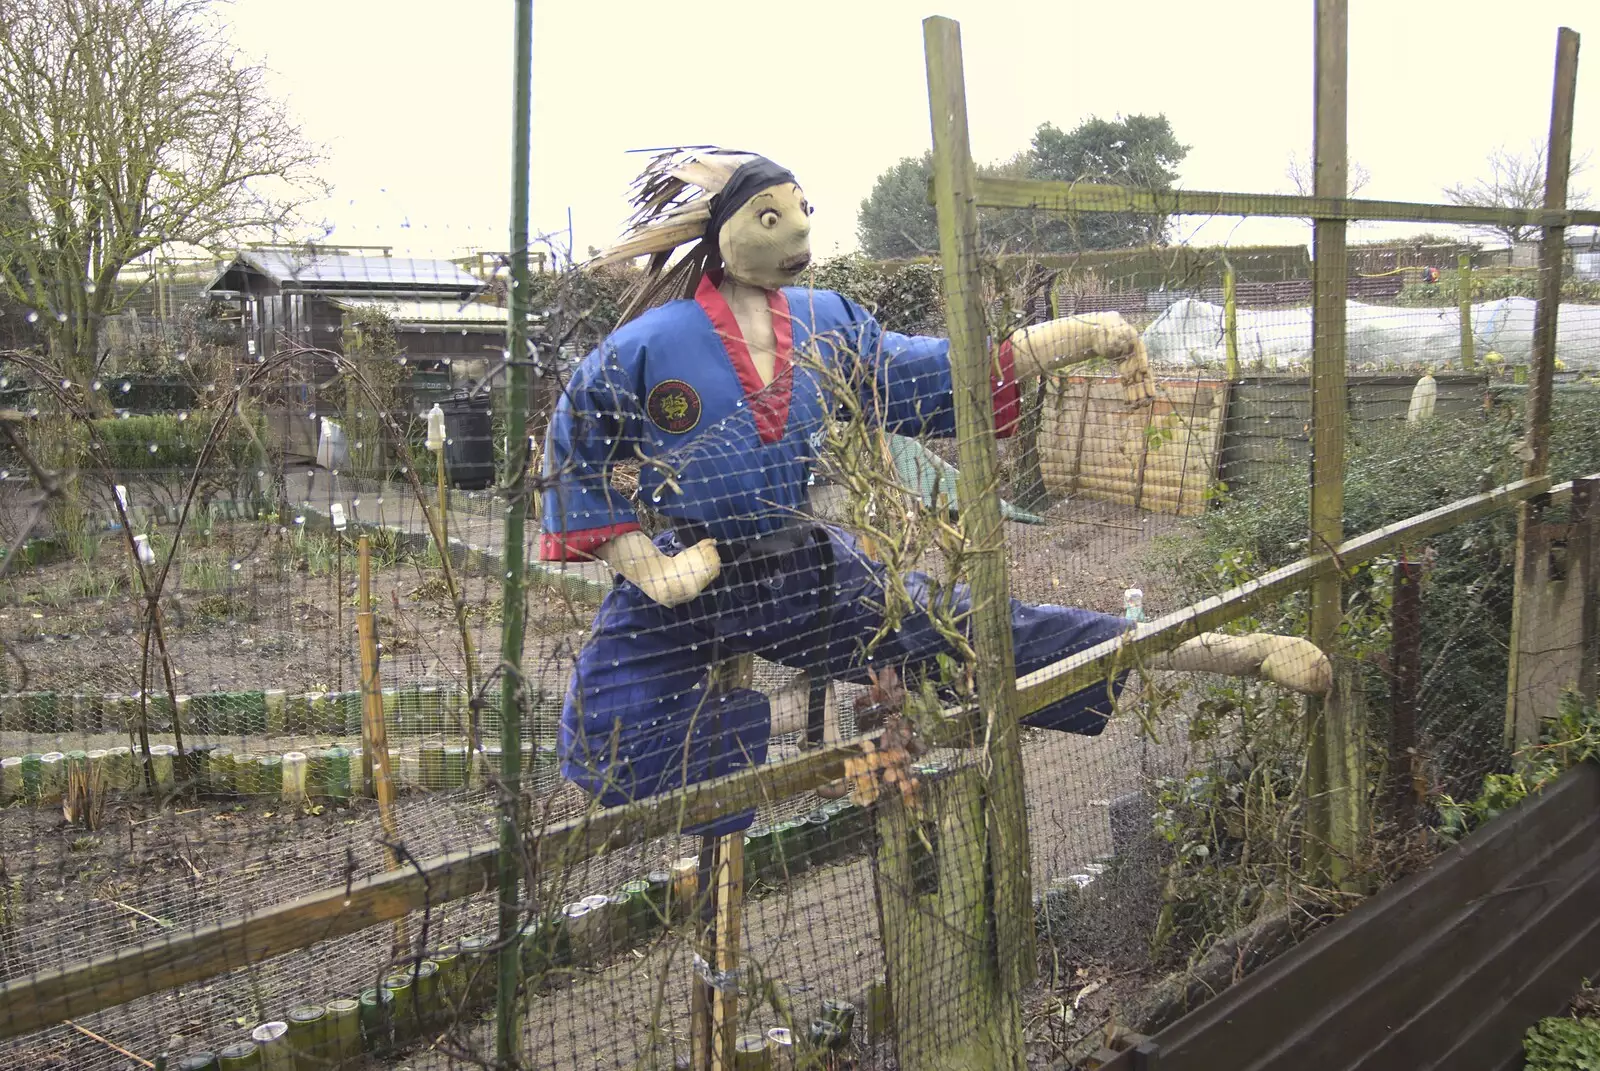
[769, 217]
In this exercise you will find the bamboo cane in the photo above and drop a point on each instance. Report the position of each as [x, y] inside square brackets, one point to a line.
[374, 736]
[730, 911]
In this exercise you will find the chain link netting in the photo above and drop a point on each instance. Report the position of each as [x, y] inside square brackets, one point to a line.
[252, 766]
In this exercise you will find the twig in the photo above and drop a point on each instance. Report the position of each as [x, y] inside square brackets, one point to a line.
[113, 1046]
[163, 923]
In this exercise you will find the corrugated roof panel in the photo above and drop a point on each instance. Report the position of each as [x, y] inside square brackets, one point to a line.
[332, 270]
[442, 311]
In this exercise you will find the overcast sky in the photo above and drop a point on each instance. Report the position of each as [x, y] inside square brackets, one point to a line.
[413, 99]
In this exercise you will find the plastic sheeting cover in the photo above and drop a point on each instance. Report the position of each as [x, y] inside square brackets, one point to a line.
[1189, 333]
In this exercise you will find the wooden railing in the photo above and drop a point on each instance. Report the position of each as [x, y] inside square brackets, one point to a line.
[42, 1000]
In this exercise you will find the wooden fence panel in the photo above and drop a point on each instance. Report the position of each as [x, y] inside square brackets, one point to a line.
[1445, 970]
[1163, 460]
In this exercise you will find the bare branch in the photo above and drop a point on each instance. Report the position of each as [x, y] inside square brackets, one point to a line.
[126, 125]
[1515, 180]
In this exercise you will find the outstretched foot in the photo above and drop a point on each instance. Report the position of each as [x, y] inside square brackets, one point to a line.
[1288, 661]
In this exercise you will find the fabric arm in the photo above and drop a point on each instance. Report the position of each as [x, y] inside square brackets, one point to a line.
[595, 424]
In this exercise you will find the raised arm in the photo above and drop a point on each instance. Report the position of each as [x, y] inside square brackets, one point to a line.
[1071, 340]
[907, 378]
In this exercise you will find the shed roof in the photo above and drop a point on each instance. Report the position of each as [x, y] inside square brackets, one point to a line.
[333, 271]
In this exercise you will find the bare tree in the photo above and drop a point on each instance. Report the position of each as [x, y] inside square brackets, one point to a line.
[127, 125]
[1302, 176]
[1516, 180]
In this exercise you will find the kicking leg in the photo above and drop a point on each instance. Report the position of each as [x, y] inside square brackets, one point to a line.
[1288, 661]
[639, 719]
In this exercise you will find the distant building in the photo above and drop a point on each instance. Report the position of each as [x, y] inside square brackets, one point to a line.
[296, 297]
[302, 299]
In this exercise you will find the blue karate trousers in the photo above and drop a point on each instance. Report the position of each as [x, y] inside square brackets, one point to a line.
[638, 720]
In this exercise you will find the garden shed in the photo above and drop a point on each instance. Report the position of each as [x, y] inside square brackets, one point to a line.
[301, 293]
[304, 296]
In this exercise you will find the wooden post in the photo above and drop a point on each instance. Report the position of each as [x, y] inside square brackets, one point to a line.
[1006, 826]
[1557, 602]
[1331, 843]
[1464, 303]
[1405, 659]
[1028, 483]
[1010, 959]
[1230, 318]
[950, 1012]
[714, 1006]
[1586, 556]
[1552, 252]
[714, 1010]
[729, 907]
[374, 736]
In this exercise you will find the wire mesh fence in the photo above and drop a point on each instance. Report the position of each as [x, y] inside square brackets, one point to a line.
[773, 810]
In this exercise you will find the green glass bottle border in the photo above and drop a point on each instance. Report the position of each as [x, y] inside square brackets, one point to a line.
[409, 710]
[587, 932]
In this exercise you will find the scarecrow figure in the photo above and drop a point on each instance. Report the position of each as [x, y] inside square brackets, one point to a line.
[713, 385]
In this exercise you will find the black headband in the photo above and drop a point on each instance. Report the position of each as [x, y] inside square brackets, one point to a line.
[747, 180]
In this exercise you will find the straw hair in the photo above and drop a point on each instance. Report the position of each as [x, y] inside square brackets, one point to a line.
[672, 204]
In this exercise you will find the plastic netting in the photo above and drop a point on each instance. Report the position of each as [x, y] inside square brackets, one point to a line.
[253, 775]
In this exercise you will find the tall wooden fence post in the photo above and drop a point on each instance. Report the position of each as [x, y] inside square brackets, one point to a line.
[1521, 726]
[1405, 661]
[1464, 303]
[1004, 810]
[1333, 813]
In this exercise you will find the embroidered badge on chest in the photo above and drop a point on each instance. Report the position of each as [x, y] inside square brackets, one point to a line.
[673, 406]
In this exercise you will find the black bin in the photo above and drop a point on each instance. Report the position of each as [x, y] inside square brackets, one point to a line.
[469, 441]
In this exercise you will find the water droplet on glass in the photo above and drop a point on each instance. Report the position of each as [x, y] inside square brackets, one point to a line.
[237, 566]
[299, 520]
[154, 448]
[126, 387]
[61, 317]
[93, 386]
[66, 384]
